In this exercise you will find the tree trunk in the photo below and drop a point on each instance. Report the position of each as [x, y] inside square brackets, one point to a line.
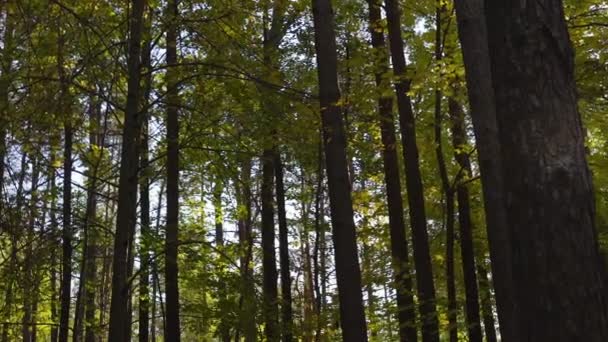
[473, 39]
[348, 273]
[247, 301]
[286, 310]
[406, 313]
[269, 266]
[557, 269]
[486, 303]
[319, 249]
[127, 187]
[415, 193]
[224, 327]
[459, 141]
[172, 332]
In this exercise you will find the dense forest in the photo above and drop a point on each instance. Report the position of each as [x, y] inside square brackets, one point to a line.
[304, 170]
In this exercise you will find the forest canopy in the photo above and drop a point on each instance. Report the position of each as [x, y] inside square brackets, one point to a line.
[289, 170]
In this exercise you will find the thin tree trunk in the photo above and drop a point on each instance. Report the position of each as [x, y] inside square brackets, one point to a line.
[247, 301]
[224, 327]
[447, 189]
[319, 243]
[172, 332]
[406, 313]
[473, 39]
[459, 140]
[348, 273]
[54, 232]
[286, 309]
[415, 192]
[560, 288]
[486, 304]
[127, 187]
[269, 267]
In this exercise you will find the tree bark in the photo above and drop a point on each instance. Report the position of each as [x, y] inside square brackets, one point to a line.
[144, 190]
[406, 313]
[459, 141]
[127, 187]
[486, 303]
[557, 269]
[415, 193]
[348, 273]
[286, 310]
[269, 266]
[473, 39]
[172, 332]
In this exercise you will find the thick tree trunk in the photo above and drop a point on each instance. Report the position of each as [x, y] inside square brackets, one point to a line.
[406, 313]
[127, 187]
[559, 288]
[415, 193]
[459, 141]
[348, 273]
[473, 39]
[172, 332]
[286, 310]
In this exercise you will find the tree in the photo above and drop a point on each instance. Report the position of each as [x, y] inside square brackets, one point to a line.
[348, 273]
[172, 332]
[127, 187]
[472, 34]
[558, 276]
[399, 248]
[413, 180]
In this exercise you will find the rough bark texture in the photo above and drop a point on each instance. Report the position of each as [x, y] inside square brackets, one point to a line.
[348, 273]
[127, 186]
[415, 193]
[406, 313]
[473, 39]
[286, 310]
[559, 288]
[172, 329]
[459, 140]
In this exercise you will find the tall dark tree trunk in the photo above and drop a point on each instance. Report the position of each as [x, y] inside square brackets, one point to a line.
[172, 332]
[269, 266]
[559, 288]
[144, 192]
[286, 310]
[473, 39]
[127, 187]
[415, 193]
[399, 248]
[486, 303]
[54, 233]
[348, 273]
[66, 259]
[459, 141]
[448, 191]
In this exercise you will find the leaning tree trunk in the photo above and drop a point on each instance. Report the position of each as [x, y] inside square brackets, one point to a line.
[559, 288]
[413, 178]
[406, 313]
[348, 273]
[473, 39]
[127, 186]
